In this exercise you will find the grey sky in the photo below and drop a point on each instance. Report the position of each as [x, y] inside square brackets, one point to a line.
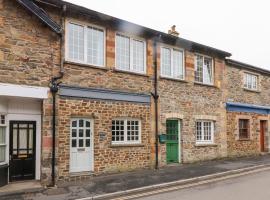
[240, 27]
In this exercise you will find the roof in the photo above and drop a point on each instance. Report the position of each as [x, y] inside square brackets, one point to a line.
[41, 14]
[247, 66]
[123, 25]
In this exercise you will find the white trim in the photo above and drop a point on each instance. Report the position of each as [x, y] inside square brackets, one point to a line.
[125, 132]
[198, 142]
[131, 38]
[245, 85]
[12, 90]
[171, 48]
[84, 25]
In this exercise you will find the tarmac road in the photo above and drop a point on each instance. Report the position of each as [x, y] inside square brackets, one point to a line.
[248, 187]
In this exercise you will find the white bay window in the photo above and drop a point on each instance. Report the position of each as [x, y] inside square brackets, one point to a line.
[130, 54]
[172, 63]
[85, 44]
[204, 69]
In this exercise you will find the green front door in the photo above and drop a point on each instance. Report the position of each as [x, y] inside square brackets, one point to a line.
[172, 144]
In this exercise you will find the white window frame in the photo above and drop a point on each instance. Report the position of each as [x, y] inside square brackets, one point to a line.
[172, 49]
[126, 142]
[85, 25]
[246, 85]
[202, 141]
[213, 72]
[131, 38]
[4, 144]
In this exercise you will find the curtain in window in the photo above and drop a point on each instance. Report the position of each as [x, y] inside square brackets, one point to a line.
[122, 52]
[76, 42]
[178, 71]
[138, 56]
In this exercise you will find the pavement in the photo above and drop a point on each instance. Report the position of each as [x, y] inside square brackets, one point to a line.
[117, 183]
[249, 187]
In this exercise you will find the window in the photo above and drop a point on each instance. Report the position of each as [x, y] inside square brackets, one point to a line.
[86, 44]
[126, 131]
[204, 69]
[204, 132]
[243, 128]
[250, 81]
[172, 63]
[130, 54]
[2, 138]
[80, 133]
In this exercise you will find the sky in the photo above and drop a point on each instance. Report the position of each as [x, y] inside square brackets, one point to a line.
[241, 27]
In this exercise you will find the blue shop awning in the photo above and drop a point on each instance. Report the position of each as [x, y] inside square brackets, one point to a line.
[249, 108]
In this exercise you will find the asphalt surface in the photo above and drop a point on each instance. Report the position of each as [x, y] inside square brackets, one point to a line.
[125, 181]
[249, 187]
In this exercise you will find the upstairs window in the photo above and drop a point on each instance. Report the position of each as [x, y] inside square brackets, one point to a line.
[204, 69]
[3, 146]
[204, 132]
[243, 129]
[172, 63]
[251, 81]
[126, 131]
[85, 44]
[130, 54]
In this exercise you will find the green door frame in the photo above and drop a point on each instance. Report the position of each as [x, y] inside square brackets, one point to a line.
[173, 154]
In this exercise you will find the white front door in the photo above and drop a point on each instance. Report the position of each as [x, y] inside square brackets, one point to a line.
[81, 145]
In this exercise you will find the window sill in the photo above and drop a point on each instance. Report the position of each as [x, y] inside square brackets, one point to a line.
[88, 173]
[173, 79]
[243, 139]
[205, 84]
[250, 90]
[206, 145]
[86, 65]
[130, 72]
[126, 145]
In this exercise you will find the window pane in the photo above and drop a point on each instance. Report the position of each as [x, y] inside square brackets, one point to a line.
[2, 153]
[87, 143]
[76, 42]
[207, 70]
[166, 62]
[95, 46]
[2, 119]
[198, 131]
[199, 69]
[122, 52]
[2, 135]
[118, 130]
[178, 71]
[74, 123]
[133, 130]
[81, 143]
[74, 133]
[74, 143]
[138, 56]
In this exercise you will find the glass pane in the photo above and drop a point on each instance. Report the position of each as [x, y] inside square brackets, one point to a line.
[81, 122]
[14, 125]
[122, 52]
[74, 143]
[2, 119]
[2, 153]
[31, 126]
[30, 138]
[199, 69]
[178, 64]
[81, 143]
[207, 70]
[74, 123]
[76, 42]
[2, 135]
[23, 125]
[23, 138]
[74, 133]
[95, 46]
[166, 62]
[87, 143]
[87, 124]
[15, 138]
[81, 133]
[138, 56]
[87, 132]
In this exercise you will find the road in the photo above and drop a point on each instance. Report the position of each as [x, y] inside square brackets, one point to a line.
[249, 187]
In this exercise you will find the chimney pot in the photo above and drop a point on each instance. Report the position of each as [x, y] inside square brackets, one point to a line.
[173, 31]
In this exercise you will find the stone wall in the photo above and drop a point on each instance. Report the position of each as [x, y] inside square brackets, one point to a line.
[108, 158]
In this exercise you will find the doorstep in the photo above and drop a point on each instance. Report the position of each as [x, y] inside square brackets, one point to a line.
[21, 187]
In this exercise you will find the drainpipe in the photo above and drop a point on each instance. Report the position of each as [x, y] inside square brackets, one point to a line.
[54, 86]
[156, 96]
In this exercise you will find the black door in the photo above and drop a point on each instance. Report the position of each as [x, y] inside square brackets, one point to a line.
[22, 150]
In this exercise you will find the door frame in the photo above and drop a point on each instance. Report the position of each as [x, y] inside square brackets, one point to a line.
[29, 117]
[179, 138]
[11, 122]
[92, 143]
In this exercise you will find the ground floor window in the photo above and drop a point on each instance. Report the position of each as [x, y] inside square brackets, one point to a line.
[204, 132]
[2, 138]
[126, 131]
[243, 129]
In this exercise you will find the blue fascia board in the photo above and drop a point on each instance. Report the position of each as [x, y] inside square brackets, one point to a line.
[249, 108]
[103, 94]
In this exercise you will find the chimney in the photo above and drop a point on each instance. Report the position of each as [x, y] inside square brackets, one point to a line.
[173, 31]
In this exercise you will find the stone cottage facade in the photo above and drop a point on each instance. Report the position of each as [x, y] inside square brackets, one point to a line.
[126, 96]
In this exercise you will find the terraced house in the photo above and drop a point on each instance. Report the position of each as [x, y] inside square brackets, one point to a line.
[83, 93]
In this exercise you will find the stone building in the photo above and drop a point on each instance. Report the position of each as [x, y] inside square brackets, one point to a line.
[83, 93]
